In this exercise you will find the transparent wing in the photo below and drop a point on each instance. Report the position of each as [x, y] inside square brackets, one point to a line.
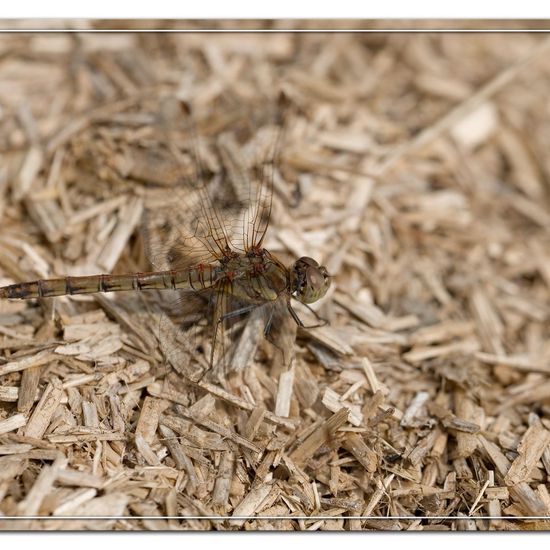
[251, 168]
[183, 330]
[221, 199]
[182, 226]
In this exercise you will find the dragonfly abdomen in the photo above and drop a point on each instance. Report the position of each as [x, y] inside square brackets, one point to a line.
[159, 280]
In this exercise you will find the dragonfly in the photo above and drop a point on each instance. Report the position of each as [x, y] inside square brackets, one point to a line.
[213, 259]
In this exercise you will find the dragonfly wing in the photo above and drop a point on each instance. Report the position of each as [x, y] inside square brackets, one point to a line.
[173, 234]
[181, 332]
[251, 168]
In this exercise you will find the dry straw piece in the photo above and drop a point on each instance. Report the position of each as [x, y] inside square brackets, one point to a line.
[414, 166]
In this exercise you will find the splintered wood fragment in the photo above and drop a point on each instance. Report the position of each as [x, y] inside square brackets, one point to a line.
[454, 423]
[49, 217]
[321, 435]
[253, 423]
[110, 505]
[117, 419]
[355, 444]
[499, 493]
[82, 380]
[489, 325]
[29, 388]
[102, 207]
[14, 448]
[372, 380]
[203, 407]
[395, 324]
[42, 414]
[194, 435]
[368, 313]
[529, 499]
[441, 332]
[39, 443]
[479, 495]
[12, 423]
[466, 442]
[248, 341]
[183, 462]
[79, 479]
[414, 410]
[499, 460]
[9, 394]
[74, 502]
[146, 452]
[543, 495]
[536, 391]
[333, 402]
[330, 339]
[521, 492]
[89, 414]
[81, 437]
[41, 358]
[422, 353]
[243, 404]
[30, 505]
[29, 170]
[250, 503]
[219, 429]
[126, 321]
[381, 488]
[149, 417]
[284, 393]
[129, 217]
[530, 449]
[519, 362]
[423, 447]
[263, 470]
[220, 494]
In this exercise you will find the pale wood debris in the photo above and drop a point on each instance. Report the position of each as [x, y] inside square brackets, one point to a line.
[477, 126]
[12, 423]
[412, 415]
[45, 480]
[320, 435]
[427, 204]
[42, 414]
[284, 393]
[334, 402]
[535, 441]
[41, 358]
[250, 504]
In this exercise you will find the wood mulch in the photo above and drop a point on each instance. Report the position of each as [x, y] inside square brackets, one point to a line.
[414, 166]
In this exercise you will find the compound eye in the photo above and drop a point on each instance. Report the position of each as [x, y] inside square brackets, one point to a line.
[309, 261]
[315, 278]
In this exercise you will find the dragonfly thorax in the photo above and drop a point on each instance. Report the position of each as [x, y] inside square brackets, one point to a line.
[309, 281]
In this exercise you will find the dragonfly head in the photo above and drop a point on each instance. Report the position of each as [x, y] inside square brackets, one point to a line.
[309, 281]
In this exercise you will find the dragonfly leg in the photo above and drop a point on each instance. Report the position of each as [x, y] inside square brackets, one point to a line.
[297, 319]
[300, 323]
[238, 312]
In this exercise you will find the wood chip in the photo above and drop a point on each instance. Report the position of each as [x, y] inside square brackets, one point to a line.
[530, 449]
[42, 414]
[427, 205]
[12, 423]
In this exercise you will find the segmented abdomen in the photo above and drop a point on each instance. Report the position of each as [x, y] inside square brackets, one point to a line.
[197, 278]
